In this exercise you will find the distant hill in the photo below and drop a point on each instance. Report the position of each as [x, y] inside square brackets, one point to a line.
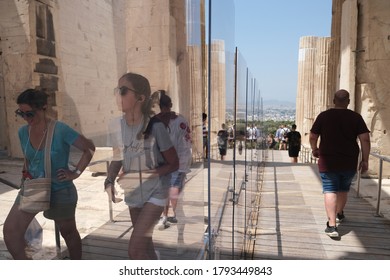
[270, 103]
[278, 103]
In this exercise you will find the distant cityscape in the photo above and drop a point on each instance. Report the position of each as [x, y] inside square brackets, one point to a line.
[272, 110]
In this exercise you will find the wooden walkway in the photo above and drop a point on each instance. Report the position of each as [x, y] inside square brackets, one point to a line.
[286, 218]
[110, 241]
[292, 218]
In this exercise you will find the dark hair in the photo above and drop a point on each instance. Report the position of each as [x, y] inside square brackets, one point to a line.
[204, 116]
[165, 100]
[37, 99]
[294, 126]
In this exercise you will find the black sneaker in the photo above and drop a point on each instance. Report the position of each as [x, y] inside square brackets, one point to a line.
[172, 220]
[331, 231]
[340, 217]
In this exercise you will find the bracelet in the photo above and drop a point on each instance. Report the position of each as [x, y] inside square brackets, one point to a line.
[108, 182]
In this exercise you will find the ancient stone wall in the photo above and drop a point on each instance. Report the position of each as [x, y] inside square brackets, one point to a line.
[17, 54]
[77, 50]
[90, 50]
[372, 72]
[358, 58]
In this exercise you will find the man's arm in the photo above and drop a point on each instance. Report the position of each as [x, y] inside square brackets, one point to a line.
[313, 139]
[365, 144]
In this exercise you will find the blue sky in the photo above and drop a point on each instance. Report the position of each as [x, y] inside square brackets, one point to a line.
[267, 33]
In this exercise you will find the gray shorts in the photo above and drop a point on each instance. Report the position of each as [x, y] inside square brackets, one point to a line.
[62, 204]
[153, 191]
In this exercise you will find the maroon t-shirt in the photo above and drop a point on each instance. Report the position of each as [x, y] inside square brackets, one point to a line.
[338, 130]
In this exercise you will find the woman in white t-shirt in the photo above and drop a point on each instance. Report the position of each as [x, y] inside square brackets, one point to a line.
[144, 157]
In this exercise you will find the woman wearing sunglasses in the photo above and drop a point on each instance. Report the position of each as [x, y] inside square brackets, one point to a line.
[143, 159]
[32, 105]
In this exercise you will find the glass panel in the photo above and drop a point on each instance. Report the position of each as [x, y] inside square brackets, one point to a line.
[234, 191]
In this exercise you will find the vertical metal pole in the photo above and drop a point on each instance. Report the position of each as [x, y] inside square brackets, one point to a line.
[110, 211]
[359, 174]
[208, 139]
[58, 241]
[235, 140]
[379, 186]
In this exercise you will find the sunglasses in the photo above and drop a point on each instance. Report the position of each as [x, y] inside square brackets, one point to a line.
[28, 114]
[123, 90]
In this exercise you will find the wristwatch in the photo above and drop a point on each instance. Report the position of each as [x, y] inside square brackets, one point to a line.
[78, 172]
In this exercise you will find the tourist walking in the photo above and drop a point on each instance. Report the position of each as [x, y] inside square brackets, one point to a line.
[143, 158]
[338, 130]
[293, 139]
[180, 133]
[222, 139]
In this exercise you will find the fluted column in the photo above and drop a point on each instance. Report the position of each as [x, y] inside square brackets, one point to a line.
[218, 87]
[322, 88]
[305, 92]
[348, 49]
[195, 90]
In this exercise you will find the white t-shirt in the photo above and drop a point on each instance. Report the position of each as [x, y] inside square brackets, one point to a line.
[180, 134]
[138, 155]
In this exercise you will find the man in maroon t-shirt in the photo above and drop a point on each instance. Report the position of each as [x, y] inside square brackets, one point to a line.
[338, 129]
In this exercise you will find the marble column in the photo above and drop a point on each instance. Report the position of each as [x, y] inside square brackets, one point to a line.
[305, 90]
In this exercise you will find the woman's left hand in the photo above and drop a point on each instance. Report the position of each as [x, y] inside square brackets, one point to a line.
[66, 175]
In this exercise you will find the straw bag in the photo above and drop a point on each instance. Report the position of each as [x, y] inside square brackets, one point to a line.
[35, 193]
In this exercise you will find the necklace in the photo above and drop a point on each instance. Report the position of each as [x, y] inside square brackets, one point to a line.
[39, 147]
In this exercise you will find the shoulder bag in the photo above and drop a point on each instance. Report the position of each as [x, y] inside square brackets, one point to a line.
[35, 193]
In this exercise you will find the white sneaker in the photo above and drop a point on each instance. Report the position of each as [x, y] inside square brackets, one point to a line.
[162, 223]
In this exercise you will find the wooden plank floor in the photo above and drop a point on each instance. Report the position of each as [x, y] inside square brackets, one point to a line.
[287, 218]
[110, 241]
[292, 218]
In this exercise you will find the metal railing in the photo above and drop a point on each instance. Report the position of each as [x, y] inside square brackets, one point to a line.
[381, 158]
[209, 241]
[306, 156]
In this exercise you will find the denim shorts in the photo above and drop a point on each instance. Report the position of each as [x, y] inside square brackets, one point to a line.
[337, 181]
[178, 179]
